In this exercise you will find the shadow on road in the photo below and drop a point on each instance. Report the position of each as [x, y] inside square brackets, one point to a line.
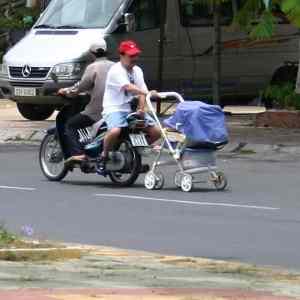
[139, 186]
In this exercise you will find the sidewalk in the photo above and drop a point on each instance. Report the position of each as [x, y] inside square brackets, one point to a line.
[243, 135]
[14, 128]
[107, 273]
[138, 294]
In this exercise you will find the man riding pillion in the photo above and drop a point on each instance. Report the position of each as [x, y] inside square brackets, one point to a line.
[125, 81]
[93, 82]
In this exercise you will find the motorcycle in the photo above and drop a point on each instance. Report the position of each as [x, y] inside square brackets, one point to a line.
[125, 161]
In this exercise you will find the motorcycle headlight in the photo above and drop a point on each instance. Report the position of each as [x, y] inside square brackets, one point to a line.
[3, 70]
[68, 70]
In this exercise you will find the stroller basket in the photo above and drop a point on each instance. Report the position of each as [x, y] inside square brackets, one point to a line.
[198, 158]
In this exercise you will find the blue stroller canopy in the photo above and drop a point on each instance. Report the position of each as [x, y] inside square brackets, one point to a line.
[200, 122]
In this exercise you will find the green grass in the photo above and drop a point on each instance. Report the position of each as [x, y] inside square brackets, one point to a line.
[10, 243]
[40, 256]
[9, 240]
[6, 238]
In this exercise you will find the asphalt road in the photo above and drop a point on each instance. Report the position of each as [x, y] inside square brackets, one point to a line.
[257, 220]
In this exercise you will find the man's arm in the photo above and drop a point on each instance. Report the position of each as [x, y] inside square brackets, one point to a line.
[142, 103]
[134, 89]
[140, 83]
[84, 85]
[87, 81]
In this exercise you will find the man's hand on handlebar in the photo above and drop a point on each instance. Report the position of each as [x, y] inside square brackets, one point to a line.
[154, 94]
[62, 92]
[66, 93]
[141, 113]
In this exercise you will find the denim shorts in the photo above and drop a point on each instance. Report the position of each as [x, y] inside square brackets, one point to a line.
[119, 120]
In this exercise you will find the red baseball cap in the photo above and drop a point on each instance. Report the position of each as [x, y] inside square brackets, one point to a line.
[130, 48]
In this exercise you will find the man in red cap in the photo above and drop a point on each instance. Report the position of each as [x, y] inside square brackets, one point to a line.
[125, 80]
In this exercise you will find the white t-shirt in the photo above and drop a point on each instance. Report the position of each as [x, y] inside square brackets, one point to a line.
[115, 97]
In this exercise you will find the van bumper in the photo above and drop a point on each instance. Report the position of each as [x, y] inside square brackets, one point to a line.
[45, 91]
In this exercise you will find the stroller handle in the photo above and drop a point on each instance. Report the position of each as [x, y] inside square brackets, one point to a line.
[165, 95]
[162, 95]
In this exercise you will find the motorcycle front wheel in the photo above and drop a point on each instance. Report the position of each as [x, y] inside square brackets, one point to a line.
[129, 176]
[51, 158]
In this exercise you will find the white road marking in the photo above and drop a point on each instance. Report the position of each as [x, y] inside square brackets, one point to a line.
[189, 202]
[3, 187]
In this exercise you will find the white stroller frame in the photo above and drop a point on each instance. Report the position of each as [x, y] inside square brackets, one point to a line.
[183, 179]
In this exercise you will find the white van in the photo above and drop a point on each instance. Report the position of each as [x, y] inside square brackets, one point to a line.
[60, 39]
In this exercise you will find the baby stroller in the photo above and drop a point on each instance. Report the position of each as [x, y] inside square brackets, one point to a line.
[191, 136]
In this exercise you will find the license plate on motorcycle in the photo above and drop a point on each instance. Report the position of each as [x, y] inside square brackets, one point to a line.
[138, 140]
[25, 92]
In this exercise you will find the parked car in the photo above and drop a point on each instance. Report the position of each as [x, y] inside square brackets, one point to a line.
[59, 41]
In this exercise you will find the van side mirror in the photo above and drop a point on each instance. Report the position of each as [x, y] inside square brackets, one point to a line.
[130, 22]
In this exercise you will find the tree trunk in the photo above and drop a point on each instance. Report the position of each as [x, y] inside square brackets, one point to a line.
[217, 55]
[32, 3]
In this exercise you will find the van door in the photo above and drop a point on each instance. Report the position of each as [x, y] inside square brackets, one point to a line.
[196, 40]
[147, 35]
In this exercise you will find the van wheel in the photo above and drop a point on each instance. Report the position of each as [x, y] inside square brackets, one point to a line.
[282, 76]
[35, 112]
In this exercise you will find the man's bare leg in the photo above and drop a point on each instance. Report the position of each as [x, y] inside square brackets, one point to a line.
[153, 134]
[110, 139]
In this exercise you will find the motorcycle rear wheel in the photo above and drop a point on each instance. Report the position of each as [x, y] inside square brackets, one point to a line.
[126, 179]
[51, 159]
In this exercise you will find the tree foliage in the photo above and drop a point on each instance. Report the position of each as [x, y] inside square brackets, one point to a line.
[260, 17]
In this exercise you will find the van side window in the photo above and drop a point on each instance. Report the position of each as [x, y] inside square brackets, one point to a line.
[198, 14]
[146, 13]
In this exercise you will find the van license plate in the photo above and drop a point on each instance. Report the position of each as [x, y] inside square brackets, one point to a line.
[25, 92]
[138, 140]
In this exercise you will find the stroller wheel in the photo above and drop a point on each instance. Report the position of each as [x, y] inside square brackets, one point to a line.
[220, 181]
[154, 181]
[160, 181]
[187, 183]
[177, 179]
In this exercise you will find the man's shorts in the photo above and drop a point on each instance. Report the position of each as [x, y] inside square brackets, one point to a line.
[119, 120]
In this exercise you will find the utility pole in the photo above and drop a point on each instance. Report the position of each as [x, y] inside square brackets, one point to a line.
[161, 50]
[32, 3]
[217, 39]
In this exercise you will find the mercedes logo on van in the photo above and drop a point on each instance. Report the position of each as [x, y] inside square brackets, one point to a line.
[26, 71]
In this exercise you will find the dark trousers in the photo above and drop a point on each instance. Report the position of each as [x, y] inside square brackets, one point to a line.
[79, 121]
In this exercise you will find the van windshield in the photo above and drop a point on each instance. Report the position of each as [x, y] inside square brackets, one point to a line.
[64, 14]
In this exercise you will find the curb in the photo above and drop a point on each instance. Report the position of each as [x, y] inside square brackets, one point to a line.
[252, 149]
[5, 103]
[19, 136]
[43, 250]
[120, 253]
[47, 254]
[34, 137]
[113, 263]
